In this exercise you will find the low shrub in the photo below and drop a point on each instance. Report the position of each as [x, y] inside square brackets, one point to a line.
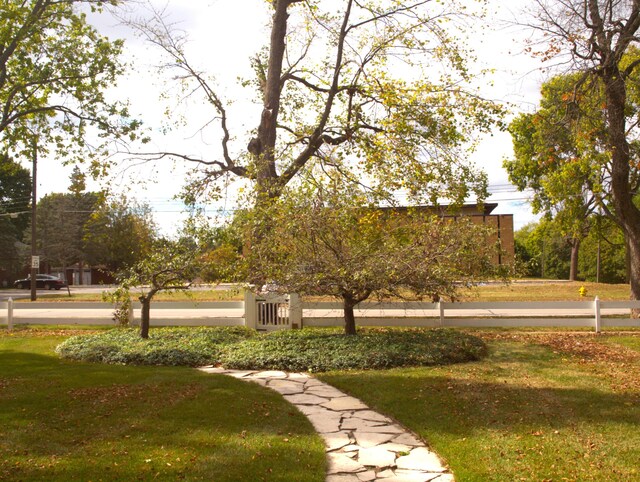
[329, 349]
[310, 349]
[165, 346]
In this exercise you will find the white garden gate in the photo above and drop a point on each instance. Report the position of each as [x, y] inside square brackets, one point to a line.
[272, 311]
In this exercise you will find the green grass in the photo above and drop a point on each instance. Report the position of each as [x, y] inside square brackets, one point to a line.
[547, 291]
[527, 412]
[62, 421]
[516, 291]
[195, 296]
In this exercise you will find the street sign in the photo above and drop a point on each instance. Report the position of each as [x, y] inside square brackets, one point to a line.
[35, 262]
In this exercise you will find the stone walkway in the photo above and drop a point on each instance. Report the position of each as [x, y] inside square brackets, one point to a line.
[362, 445]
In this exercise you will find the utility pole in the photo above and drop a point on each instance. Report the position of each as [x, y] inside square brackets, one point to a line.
[34, 259]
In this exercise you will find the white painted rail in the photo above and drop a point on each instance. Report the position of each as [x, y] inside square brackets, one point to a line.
[595, 313]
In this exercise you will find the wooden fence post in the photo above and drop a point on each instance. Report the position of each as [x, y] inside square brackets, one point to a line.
[250, 315]
[596, 308]
[441, 311]
[9, 314]
[130, 318]
[295, 310]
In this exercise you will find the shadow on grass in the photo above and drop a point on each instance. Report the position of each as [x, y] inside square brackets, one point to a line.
[75, 421]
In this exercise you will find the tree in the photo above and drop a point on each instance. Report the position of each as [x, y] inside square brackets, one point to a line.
[560, 155]
[54, 70]
[119, 234]
[167, 266]
[375, 89]
[545, 250]
[330, 240]
[594, 36]
[15, 191]
[602, 257]
[61, 224]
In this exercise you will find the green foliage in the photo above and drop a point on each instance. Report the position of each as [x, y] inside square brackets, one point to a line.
[544, 250]
[15, 192]
[60, 226]
[382, 89]
[331, 239]
[121, 298]
[54, 71]
[327, 349]
[118, 234]
[294, 350]
[222, 248]
[613, 265]
[165, 346]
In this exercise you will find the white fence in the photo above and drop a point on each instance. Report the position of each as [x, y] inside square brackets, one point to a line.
[281, 312]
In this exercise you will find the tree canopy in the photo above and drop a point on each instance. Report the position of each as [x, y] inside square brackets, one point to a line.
[376, 90]
[331, 240]
[15, 192]
[594, 39]
[560, 154]
[54, 71]
[118, 234]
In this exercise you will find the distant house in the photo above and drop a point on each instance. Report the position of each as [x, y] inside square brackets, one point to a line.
[479, 214]
[78, 274]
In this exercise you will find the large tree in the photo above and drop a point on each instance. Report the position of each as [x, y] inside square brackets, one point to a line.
[378, 90]
[559, 155]
[15, 191]
[592, 37]
[331, 240]
[61, 225]
[54, 71]
[118, 234]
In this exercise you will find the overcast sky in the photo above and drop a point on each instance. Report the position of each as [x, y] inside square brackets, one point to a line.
[225, 33]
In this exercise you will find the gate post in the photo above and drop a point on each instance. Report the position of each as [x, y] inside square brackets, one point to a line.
[250, 314]
[295, 311]
[441, 311]
[598, 320]
[9, 314]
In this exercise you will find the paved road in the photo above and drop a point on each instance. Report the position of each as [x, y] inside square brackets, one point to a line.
[16, 294]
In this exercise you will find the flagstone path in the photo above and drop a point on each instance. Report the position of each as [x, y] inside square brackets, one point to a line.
[362, 445]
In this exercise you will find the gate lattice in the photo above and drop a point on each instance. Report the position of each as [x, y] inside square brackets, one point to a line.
[273, 312]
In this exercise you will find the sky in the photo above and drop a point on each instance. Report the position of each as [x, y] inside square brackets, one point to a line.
[223, 35]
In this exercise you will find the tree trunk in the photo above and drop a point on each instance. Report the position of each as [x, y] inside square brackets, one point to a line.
[146, 313]
[144, 322]
[626, 211]
[263, 146]
[349, 318]
[633, 246]
[575, 248]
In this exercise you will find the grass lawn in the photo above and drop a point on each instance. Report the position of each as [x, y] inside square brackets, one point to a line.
[542, 406]
[521, 290]
[529, 290]
[203, 295]
[62, 421]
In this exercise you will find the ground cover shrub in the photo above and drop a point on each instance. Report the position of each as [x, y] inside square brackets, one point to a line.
[313, 350]
[329, 349]
[165, 346]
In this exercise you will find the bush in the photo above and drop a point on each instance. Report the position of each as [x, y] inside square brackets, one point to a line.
[294, 350]
[329, 349]
[165, 346]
